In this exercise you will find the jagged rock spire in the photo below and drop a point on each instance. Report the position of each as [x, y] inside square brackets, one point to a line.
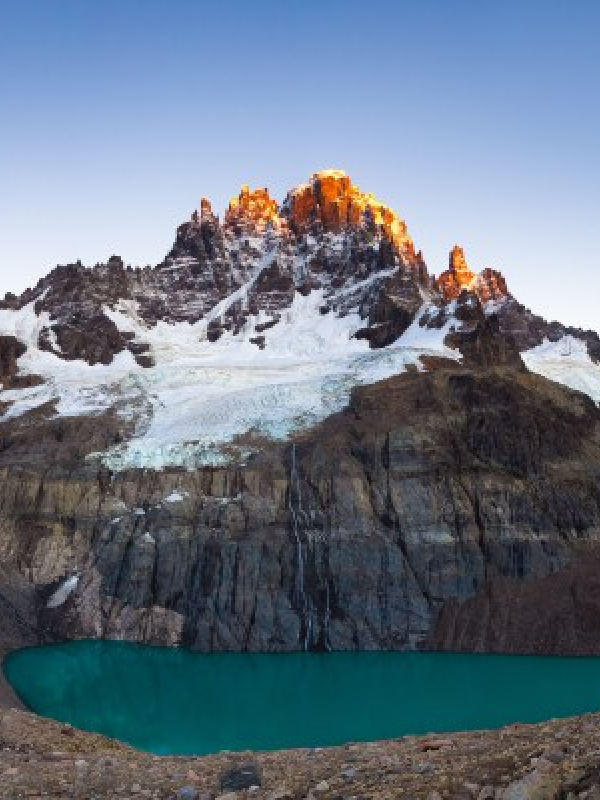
[488, 285]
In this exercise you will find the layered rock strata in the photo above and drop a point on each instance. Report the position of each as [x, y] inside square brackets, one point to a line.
[383, 528]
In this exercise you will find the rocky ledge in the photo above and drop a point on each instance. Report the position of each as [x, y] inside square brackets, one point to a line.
[557, 760]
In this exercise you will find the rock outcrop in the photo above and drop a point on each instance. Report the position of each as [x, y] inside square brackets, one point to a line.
[252, 211]
[479, 337]
[529, 329]
[10, 350]
[457, 277]
[488, 285]
[525, 328]
[330, 200]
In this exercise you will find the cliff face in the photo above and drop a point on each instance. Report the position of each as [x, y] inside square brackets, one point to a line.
[389, 526]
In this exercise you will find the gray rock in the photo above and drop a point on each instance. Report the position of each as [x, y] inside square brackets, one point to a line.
[463, 794]
[536, 785]
[555, 756]
[423, 769]
[242, 777]
[187, 793]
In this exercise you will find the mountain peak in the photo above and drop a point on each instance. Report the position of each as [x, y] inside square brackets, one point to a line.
[331, 199]
[458, 276]
[265, 321]
[488, 285]
[252, 208]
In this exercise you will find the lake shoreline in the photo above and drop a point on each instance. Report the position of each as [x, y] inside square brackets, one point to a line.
[8, 697]
[544, 761]
[555, 759]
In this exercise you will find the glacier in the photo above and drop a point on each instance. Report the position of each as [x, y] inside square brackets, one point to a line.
[208, 403]
[192, 408]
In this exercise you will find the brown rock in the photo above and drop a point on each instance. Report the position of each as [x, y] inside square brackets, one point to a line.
[10, 350]
[491, 285]
[252, 210]
[331, 200]
[488, 285]
[457, 277]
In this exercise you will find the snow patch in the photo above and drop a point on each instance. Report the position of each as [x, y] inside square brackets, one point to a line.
[494, 306]
[64, 591]
[566, 361]
[74, 386]
[176, 497]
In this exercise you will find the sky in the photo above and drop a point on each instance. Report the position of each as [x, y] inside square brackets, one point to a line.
[477, 121]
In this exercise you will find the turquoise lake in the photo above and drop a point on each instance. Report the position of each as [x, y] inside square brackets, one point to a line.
[175, 702]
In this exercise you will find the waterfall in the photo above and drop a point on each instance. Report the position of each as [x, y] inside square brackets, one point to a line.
[326, 618]
[308, 636]
[301, 521]
[295, 513]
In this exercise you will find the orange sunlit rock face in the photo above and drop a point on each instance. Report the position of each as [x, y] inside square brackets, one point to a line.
[487, 285]
[328, 201]
[331, 199]
[457, 277]
[253, 208]
[205, 207]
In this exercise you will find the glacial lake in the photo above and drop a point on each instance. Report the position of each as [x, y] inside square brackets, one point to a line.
[169, 701]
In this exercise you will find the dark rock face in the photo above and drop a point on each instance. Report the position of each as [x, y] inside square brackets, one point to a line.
[392, 311]
[559, 613]
[239, 778]
[10, 350]
[529, 330]
[74, 297]
[96, 340]
[479, 337]
[387, 527]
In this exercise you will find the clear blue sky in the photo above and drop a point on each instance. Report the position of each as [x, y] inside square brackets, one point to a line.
[479, 122]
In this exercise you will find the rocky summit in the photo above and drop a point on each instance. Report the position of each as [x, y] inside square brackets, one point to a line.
[290, 434]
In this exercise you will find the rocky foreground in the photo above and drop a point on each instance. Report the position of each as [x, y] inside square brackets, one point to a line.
[557, 759]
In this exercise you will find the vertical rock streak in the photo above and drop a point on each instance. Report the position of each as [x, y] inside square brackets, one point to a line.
[299, 598]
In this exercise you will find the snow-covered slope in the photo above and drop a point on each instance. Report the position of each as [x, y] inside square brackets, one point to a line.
[200, 396]
[259, 326]
[566, 361]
